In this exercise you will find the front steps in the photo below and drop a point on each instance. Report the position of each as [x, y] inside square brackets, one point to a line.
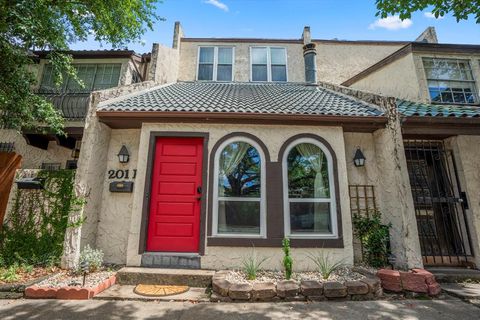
[185, 277]
[170, 260]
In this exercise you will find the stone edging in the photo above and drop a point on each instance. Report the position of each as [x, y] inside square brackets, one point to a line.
[68, 293]
[290, 290]
[415, 280]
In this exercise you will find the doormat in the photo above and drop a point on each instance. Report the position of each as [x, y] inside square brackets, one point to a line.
[154, 290]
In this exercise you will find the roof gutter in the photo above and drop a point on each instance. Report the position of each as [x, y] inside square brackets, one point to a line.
[440, 127]
[134, 119]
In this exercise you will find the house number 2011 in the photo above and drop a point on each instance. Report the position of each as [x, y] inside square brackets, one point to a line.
[122, 174]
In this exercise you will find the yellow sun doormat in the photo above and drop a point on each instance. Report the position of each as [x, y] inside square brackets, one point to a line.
[154, 290]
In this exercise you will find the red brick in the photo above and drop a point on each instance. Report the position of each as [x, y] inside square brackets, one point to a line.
[392, 286]
[434, 289]
[413, 282]
[73, 293]
[429, 277]
[390, 280]
[40, 293]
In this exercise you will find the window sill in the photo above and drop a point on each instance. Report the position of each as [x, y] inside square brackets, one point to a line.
[273, 242]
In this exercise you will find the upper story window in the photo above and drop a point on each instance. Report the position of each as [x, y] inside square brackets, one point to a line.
[309, 192]
[215, 63]
[94, 77]
[450, 81]
[268, 64]
[239, 191]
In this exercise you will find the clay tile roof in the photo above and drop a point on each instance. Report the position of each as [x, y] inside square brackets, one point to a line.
[234, 97]
[408, 108]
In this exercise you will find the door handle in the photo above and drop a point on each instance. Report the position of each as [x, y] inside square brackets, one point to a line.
[199, 198]
[199, 190]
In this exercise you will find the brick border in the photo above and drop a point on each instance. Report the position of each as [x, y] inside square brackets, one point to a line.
[68, 293]
[290, 290]
[415, 280]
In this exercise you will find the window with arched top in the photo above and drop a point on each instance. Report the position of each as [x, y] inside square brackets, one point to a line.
[239, 189]
[309, 190]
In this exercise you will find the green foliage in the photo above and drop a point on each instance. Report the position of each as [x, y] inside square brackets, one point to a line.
[251, 264]
[27, 25]
[374, 237]
[287, 259]
[93, 258]
[10, 274]
[325, 265]
[460, 9]
[34, 230]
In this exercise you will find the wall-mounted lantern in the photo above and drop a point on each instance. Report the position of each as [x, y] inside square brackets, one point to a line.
[123, 155]
[359, 158]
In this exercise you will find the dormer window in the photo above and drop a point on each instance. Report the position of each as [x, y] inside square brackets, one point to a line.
[450, 81]
[268, 64]
[215, 64]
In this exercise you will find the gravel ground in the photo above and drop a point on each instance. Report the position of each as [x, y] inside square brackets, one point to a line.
[341, 275]
[64, 279]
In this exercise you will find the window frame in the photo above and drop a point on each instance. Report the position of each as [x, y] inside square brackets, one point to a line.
[269, 63]
[215, 63]
[331, 184]
[473, 81]
[263, 195]
[64, 88]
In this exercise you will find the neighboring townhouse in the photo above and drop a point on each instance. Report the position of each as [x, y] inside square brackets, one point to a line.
[99, 70]
[438, 90]
[35, 149]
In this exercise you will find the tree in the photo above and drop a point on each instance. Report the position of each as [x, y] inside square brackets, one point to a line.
[461, 9]
[53, 25]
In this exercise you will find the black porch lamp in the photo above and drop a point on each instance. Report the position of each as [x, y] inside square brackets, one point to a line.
[123, 155]
[359, 158]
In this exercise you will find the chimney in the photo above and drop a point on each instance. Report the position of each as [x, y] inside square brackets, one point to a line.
[310, 57]
[307, 38]
[177, 35]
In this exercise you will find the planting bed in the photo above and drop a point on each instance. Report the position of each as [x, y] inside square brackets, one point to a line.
[69, 286]
[271, 286]
[12, 287]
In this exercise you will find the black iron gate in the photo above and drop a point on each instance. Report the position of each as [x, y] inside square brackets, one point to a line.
[439, 203]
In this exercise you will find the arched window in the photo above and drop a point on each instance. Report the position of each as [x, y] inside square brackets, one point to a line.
[309, 191]
[239, 189]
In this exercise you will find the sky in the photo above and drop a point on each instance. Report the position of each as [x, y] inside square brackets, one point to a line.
[285, 19]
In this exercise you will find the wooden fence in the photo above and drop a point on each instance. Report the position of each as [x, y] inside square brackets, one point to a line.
[9, 163]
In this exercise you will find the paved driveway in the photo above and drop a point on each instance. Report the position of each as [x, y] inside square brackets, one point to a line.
[351, 310]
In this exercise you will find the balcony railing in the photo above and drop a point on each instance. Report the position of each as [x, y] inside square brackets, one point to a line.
[72, 105]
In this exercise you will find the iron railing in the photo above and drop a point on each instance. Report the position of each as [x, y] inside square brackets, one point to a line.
[72, 105]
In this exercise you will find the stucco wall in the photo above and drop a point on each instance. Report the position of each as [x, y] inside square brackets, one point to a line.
[241, 68]
[366, 175]
[114, 216]
[115, 219]
[398, 79]
[468, 170]
[338, 62]
[163, 67]
[33, 157]
[410, 78]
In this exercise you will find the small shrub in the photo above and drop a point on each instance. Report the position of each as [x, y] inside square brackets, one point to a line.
[324, 263]
[374, 237]
[287, 259]
[251, 265]
[92, 257]
[10, 274]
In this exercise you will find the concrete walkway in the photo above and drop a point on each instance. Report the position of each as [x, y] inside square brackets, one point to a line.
[351, 310]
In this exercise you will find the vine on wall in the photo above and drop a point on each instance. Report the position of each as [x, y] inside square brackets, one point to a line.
[34, 230]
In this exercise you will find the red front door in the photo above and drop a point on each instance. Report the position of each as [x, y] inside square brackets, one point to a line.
[174, 223]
